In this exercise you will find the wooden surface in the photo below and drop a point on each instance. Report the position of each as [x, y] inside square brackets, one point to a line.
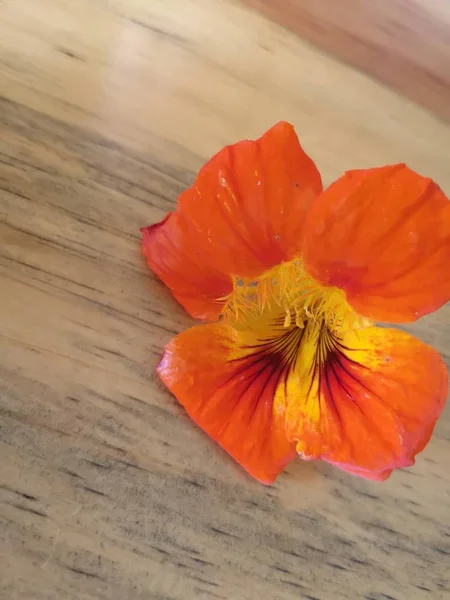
[403, 43]
[107, 490]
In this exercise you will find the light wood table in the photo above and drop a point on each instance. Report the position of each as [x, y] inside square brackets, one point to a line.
[403, 43]
[107, 490]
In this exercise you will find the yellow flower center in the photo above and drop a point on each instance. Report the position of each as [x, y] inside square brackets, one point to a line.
[287, 289]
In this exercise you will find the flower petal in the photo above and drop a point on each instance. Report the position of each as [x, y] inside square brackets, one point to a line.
[243, 215]
[196, 286]
[371, 475]
[383, 236]
[228, 390]
[372, 399]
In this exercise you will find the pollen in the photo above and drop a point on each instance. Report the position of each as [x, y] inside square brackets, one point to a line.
[288, 291]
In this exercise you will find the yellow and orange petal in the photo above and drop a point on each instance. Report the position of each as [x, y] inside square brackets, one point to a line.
[369, 400]
[383, 236]
[244, 214]
[364, 400]
[228, 390]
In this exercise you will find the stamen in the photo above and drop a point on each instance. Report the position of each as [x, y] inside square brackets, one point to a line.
[289, 289]
[308, 313]
[287, 318]
[298, 319]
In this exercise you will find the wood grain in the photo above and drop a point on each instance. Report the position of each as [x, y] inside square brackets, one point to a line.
[403, 43]
[107, 490]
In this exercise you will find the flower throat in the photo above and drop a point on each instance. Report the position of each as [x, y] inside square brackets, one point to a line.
[287, 289]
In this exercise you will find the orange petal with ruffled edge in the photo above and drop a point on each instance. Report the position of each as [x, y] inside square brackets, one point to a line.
[244, 213]
[383, 236]
[228, 390]
[369, 400]
[196, 286]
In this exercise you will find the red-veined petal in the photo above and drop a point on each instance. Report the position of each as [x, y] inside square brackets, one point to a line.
[369, 399]
[244, 214]
[383, 236]
[228, 387]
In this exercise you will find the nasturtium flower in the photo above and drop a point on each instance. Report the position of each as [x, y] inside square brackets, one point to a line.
[292, 278]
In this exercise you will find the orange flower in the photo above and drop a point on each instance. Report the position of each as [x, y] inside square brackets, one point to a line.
[293, 277]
